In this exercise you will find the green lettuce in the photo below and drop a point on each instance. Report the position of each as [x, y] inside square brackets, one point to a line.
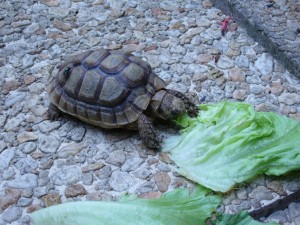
[241, 218]
[230, 143]
[177, 207]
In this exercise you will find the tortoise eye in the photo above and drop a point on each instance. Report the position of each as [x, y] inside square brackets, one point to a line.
[67, 72]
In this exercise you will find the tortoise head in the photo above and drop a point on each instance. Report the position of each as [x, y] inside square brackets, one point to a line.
[166, 105]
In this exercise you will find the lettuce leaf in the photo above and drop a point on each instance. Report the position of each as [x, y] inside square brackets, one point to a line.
[241, 218]
[177, 207]
[229, 143]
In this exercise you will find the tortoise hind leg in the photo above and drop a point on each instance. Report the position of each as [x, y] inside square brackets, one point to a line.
[147, 132]
[190, 107]
[53, 112]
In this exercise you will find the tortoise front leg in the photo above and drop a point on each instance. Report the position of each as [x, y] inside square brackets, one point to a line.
[53, 112]
[190, 107]
[147, 132]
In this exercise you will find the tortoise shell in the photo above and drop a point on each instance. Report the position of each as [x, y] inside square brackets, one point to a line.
[106, 88]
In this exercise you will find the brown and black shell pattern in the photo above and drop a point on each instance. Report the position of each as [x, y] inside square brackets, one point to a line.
[105, 88]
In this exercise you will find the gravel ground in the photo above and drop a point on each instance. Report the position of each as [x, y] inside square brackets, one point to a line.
[44, 162]
[275, 24]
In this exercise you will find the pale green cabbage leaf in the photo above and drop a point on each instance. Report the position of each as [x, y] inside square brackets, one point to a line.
[173, 208]
[241, 218]
[229, 143]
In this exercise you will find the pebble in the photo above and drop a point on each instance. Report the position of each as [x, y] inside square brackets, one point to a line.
[48, 143]
[26, 165]
[264, 63]
[121, 181]
[225, 62]
[13, 123]
[93, 167]
[236, 75]
[13, 98]
[12, 214]
[261, 193]
[132, 163]
[162, 180]
[289, 98]
[66, 175]
[27, 136]
[28, 147]
[116, 158]
[51, 199]
[6, 157]
[23, 182]
[75, 190]
[142, 173]
[70, 149]
[11, 197]
[47, 126]
[279, 217]
[50, 162]
[23, 202]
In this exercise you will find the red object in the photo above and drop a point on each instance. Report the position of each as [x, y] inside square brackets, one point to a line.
[225, 23]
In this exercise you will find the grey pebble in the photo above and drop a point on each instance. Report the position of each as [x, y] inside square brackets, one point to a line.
[48, 143]
[132, 163]
[39, 192]
[65, 176]
[103, 185]
[25, 165]
[8, 174]
[264, 63]
[142, 173]
[87, 178]
[261, 193]
[6, 157]
[12, 214]
[2, 146]
[121, 181]
[28, 147]
[294, 210]
[48, 126]
[13, 98]
[76, 134]
[104, 173]
[278, 216]
[225, 62]
[23, 202]
[23, 182]
[163, 167]
[71, 149]
[146, 187]
[116, 158]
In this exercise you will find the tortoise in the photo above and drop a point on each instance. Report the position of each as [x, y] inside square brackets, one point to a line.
[111, 89]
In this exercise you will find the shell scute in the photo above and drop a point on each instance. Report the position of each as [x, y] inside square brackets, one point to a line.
[134, 73]
[94, 58]
[113, 63]
[89, 86]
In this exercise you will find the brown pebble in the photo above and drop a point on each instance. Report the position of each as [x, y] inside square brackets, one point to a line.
[29, 79]
[151, 195]
[74, 190]
[33, 208]
[51, 199]
[162, 180]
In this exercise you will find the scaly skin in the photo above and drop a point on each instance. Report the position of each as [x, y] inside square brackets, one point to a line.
[190, 107]
[147, 132]
[53, 112]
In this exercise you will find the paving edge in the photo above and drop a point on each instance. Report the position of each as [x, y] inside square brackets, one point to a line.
[260, 37]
